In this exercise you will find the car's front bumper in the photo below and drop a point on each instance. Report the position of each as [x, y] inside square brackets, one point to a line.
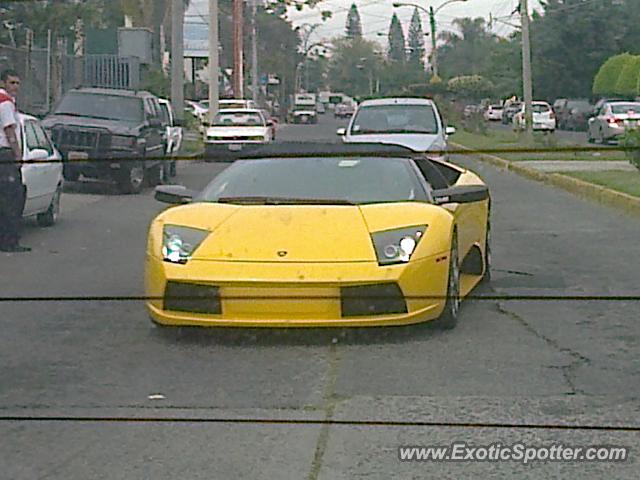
[297, 294]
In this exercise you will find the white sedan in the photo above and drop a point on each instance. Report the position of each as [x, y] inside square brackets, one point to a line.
[41, 173]
[544, 119]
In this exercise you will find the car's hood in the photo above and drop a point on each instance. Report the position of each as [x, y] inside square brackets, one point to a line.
[418, 143]
[302, 233]
[117, 127]
[236, 131]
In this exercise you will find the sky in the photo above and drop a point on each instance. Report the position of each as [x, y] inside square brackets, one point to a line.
[376, 16]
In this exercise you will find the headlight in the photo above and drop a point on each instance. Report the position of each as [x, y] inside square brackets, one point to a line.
[397, 246]
[179, 243]
[121, 141]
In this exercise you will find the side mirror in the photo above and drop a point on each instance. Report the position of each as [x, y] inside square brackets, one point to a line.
[461, 194]
[450, 130]
[37, 154]
[174, 194]
[341, 132]
[155, 122]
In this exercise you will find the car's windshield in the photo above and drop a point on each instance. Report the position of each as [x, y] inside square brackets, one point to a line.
[109, 107]
[239, 118]
[623, 108]
[403, 119]
[352, 180]
[540, 108]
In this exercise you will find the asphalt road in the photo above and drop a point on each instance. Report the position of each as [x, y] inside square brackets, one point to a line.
[123, 401]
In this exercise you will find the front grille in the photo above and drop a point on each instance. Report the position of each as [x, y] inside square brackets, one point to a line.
[77, 139]
[370, 300]
[194, 298]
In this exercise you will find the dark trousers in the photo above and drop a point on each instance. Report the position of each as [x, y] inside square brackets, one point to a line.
[12, 198]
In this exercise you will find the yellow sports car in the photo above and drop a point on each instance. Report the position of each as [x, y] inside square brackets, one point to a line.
[320, 236]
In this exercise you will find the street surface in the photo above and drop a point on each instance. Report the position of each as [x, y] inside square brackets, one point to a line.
[514, 361]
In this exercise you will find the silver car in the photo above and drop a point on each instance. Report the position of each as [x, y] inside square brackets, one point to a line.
[611, 121]
[411, 122]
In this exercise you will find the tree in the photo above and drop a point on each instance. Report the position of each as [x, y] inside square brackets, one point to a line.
[627, 84]
[416, 41]
[606, 80]
[473, 87]
[354, 24]
[397, 45]
[572, 38]
[466, 52]
[353, 66]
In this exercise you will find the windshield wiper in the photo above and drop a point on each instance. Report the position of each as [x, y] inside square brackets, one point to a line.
[70, 114]
[284, 201]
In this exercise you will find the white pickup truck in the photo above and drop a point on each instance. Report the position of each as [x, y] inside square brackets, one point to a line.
[304, 108]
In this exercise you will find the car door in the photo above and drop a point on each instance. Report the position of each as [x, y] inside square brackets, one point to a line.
[50, 170]
[33, 174]
[153, 129]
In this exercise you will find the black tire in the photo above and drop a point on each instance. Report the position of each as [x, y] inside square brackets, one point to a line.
[70, 174]
[486, 276]
[50, 217]
[449, 317]
[130, 178]
[158, 174]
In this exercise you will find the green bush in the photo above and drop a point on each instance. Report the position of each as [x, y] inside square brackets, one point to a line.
[627, 84]
[606, 79]
[471, 86]
[631, 143]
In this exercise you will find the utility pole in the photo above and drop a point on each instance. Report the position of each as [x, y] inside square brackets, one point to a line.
[238, 50]
[254, 50]
[213, 60]
[434, 46]
[177, 58]
[526, 67]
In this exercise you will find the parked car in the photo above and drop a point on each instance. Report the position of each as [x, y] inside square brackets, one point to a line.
[572, 114]
[42, 175]
[272, 122]
[544, 119]
[235, 132]
[344, 110]
[173, 133]
[414, 123]
[321, 109]
[470, 110]
[493, 113]
[110, 134]
[612, 121]
[509, 111]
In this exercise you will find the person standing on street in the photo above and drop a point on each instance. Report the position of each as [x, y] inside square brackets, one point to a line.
[12, 191]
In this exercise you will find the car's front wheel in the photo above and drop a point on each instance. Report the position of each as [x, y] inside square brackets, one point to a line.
[131, 178]
[50, 217]
[449, 317]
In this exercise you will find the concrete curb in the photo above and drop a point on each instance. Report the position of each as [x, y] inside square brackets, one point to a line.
[590, 191]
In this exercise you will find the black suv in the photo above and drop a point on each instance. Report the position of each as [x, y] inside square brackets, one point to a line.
[110, 134]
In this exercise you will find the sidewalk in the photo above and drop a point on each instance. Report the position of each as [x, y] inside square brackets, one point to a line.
[577, 166]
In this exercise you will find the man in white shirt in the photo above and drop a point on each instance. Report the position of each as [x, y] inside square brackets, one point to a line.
[12, 191]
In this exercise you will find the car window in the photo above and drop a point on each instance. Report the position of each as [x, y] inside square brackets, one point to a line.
[42, 138]
[355, 180]
[407, 119]
[240, 118]
[623, 108]
[540, 108]
[30, 135]
[164, 114]
[101, 106]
